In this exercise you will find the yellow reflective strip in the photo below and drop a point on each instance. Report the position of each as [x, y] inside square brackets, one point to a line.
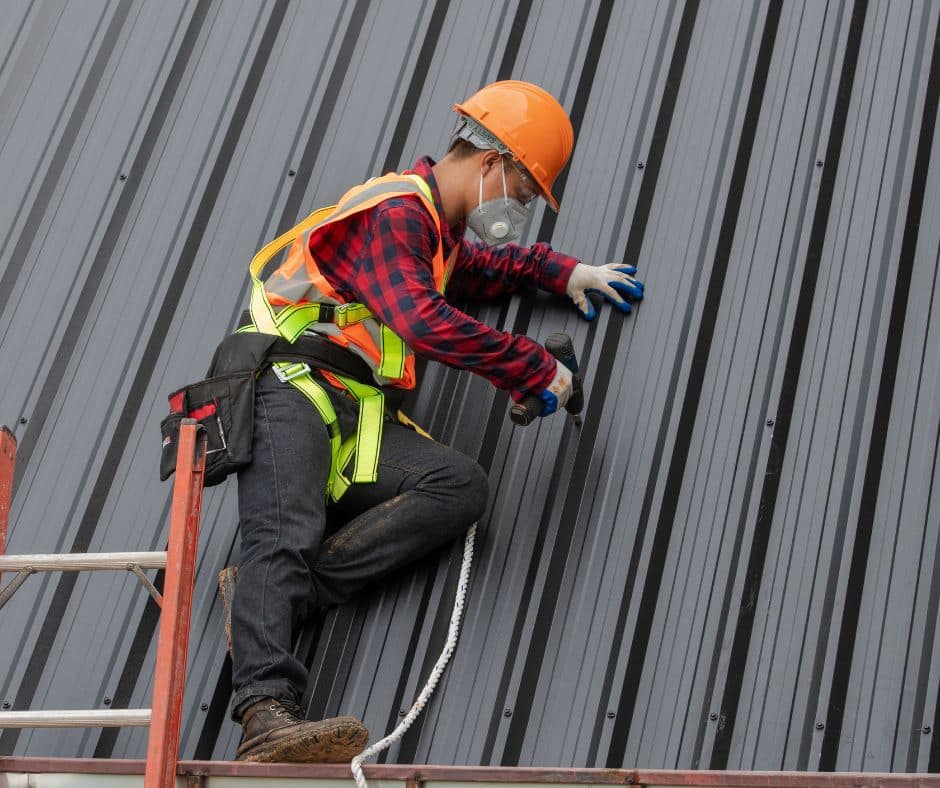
[378, 187]
[262, 315]
[369, 438]
[261, 311]
[423, 185]
[292, 321]
[314, 392]
[369, 429]
[350, 314]
[339, 487]
[393, 354]
[449, 267]
[346, 452]
[260, 260]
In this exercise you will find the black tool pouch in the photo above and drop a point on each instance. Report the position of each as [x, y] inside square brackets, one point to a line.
[224, 402]
[224, 405]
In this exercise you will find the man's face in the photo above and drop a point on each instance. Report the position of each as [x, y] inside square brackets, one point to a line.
[519, 184]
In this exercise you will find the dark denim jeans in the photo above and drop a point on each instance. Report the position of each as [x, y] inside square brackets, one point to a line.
[426, 494]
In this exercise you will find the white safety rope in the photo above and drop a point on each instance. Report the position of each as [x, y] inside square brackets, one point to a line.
[436, 673]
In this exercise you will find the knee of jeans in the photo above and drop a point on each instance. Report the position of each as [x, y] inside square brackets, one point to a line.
[472, 490]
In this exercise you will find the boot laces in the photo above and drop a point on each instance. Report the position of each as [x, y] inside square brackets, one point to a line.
[290, 711]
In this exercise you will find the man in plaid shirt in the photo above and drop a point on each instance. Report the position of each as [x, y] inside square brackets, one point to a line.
[382, 258]
[512, 141]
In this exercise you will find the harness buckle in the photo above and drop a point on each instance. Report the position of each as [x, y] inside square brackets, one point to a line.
[290, 371]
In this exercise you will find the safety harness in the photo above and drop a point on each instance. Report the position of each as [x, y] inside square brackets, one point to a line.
[306, 299]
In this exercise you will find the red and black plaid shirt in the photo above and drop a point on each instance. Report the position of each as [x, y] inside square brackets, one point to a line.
[383, 258]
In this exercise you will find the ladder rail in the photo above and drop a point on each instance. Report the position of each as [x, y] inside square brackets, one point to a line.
[7, 466]
[175, 619]
[179, 563]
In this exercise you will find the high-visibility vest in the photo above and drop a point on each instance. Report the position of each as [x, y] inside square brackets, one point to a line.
[297, 297]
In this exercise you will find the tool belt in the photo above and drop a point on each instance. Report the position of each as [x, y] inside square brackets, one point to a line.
[224, 402]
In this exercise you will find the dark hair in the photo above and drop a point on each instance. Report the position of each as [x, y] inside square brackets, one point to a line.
[463, 149]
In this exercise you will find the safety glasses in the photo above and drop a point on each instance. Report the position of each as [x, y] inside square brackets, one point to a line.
[531, 189]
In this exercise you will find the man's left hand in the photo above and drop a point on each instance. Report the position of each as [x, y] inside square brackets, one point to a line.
[614, 281]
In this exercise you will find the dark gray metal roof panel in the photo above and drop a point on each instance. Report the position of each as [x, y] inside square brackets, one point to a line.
[740, 542]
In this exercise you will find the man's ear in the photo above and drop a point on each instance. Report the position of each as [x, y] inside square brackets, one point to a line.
[488, 160]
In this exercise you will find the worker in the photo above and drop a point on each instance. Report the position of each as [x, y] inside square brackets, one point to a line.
[366, 280]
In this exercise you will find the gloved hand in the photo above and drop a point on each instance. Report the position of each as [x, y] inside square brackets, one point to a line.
[558, 391]
[614, 281]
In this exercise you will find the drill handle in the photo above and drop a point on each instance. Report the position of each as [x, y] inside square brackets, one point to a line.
[530, 408]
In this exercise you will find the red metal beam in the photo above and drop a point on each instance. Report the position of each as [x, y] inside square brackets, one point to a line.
[173, 643]
[7, 468]
[478, 774]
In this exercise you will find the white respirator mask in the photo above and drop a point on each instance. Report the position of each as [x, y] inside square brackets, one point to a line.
[500, 220]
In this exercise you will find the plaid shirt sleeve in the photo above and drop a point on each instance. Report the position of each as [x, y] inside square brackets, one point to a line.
[487, 272]
[394, 278]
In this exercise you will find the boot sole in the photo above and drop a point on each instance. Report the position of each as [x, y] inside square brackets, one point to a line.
[337, 740]
[227, 591]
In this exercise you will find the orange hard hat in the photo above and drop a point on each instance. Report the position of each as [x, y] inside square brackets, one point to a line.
[530, 123]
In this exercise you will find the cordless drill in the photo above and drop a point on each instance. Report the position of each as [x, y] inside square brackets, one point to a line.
[529, 409]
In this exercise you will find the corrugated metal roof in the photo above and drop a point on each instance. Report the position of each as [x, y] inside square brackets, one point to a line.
[731, 564]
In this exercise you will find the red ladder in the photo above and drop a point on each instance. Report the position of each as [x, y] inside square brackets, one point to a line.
[176, 603]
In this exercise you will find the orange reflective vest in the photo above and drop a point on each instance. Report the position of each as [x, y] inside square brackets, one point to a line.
[297, 297]
[299, 288]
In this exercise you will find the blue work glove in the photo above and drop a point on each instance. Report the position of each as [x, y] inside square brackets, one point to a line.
[614, 281]
[558, 392]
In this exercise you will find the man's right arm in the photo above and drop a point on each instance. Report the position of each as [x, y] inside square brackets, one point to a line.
[394, 279]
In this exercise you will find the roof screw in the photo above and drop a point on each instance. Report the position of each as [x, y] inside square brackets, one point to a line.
[401, 712]
[291, 173]
[123, 176]
[611, 715]
[819, 162]
[713, 716]
[7, 704]
[770, 422]
[22, 419]
[640, 165]
[926, 729]
[507, 712]
[819, 726]
[107, 700]
[204, 706]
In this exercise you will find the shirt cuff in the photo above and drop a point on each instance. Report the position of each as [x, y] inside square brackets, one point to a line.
[556, 271]
[543, 375]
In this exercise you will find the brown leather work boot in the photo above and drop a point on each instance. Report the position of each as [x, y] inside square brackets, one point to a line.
[277, 732]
